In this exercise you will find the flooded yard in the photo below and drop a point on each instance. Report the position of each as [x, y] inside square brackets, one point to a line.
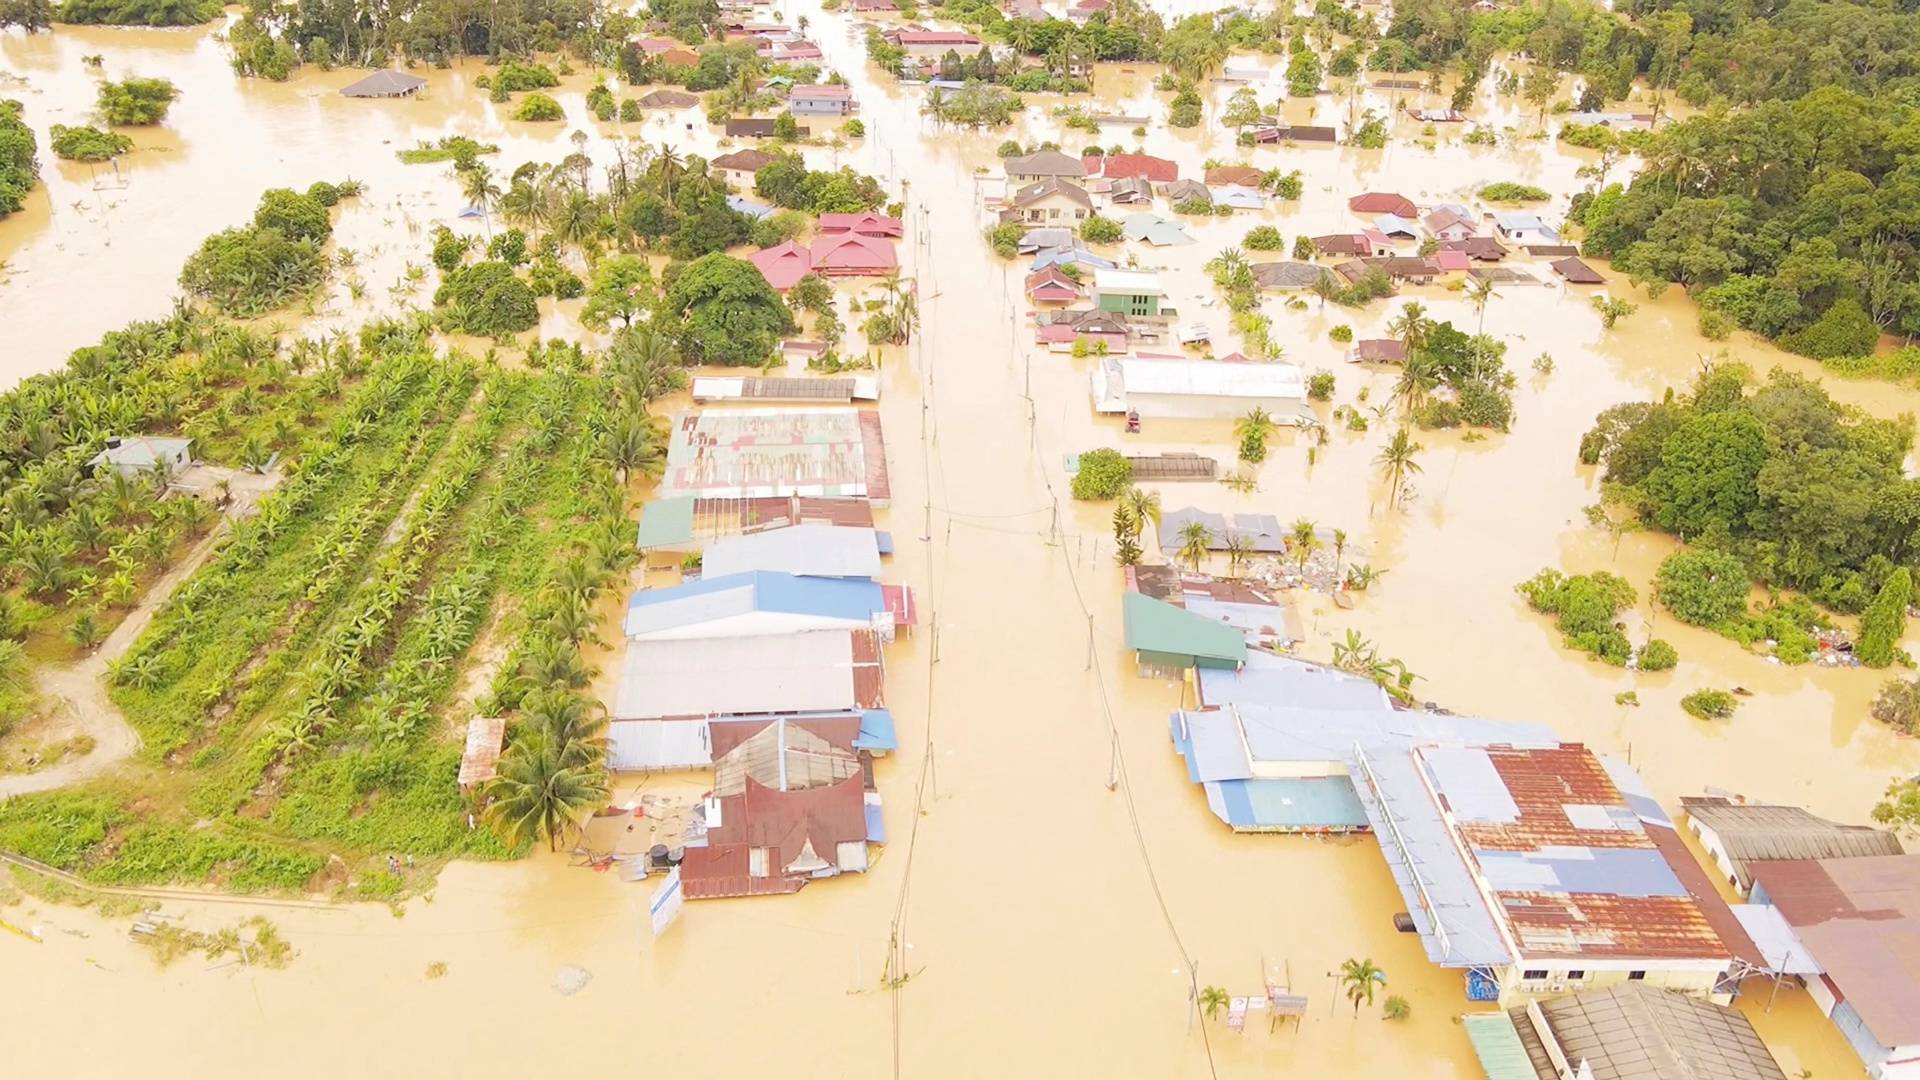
[1051, 872]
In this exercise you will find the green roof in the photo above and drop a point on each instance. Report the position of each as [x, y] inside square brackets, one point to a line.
[1159, 627]
[666, 521]
[1498, 1047]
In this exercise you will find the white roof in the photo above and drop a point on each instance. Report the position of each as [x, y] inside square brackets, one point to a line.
[807, 550]
[1131, 281]
[644, 745]
[1210, 378]
[719, 676]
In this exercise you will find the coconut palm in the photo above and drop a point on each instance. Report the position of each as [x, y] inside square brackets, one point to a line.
[1306, 541]
[635, 443]
[1145, 507]
[1357, 980]
[1212, 1000]
[1196, 541]
[1398, 461]
[1339, 550]
[542, 791]
[1479, 294]
[574, 722]
[1417, 380]
[1411, 325]
[1253, 430]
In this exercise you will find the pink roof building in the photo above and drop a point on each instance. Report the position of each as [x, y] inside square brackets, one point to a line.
[1451, 262]
[866, 223]
[784, 265]
[655, 46]
[848, 253]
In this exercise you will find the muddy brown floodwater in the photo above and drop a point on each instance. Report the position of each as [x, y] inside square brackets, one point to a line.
[1040, 939]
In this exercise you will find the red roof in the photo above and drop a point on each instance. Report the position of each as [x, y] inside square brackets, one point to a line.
[866, 224]
[1125, 166]
[783, 822]
[784, 265]
[1451, 260]
[853, 253]
[1383, 202]
[655, 46]
[1380, 350]
[823, 90]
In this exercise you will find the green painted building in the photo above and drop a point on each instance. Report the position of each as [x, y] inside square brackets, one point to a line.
[1173, 637]
[1133, 293]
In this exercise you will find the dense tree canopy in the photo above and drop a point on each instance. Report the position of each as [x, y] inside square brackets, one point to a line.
[87, 143]
[137, 102]
[487, 299]
[1807, 493]
[19, 158]
[728, 314]
[139, 12]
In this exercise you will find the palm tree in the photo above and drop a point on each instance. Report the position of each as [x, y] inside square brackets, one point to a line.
[634, 443]
[1339, 550]
[1397, 461]
[574, 722]
[1410, 326]
[541, 792]
[1305, 542]
[1239, 549]
[1358, 978]
[1196, 541]
[477, 185]
[1212, 1000]
[1417, 380]
[1125, 525]
[1253, 430]
[1145, 507]
[1479, 294]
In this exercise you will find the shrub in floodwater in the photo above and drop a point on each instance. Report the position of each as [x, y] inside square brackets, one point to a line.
[1585, 606]
[87, 143]
[1104, 474]
[1710, 704]
[539, 108]
[1658, 655]
[1703, 587]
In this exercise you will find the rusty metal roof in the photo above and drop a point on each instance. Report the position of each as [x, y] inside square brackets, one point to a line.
[1572, 865]
[1860, 918]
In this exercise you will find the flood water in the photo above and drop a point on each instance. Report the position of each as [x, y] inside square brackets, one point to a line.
[1046, 916]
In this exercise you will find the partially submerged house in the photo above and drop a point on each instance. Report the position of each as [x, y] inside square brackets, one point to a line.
[1343, 244]
[933, 43]
[1523, 229]
[1276, 132]
[825, 99]
[853, 254]
[139, 455]
[811, 671]
[789, 806]
[741, 165]
[1181, 191]
[1132, 294]
[1857, 920]
[808, 551]
[1260, 534]
[1285, 276]
[1200, 389]
[783, 265]
[761, 453]
[1534, 867]
[761, 602]
[1739, 834]
[1166, 637]
[672, 527]
[1043, 165]
[672, 745]
[1379, 351]
[1052, 200]
[1099, 331]
[1240, 175]
[384, 84]
[1158, 170]
[667, 99]
[1070, 255]
[1477, 248]
[1051, 286]
[1576, 272]
[1154, 229]
[1627, 1032]
[1448, 223]
[1396, 227]
[1370, 203]
[756, 128]
[1239, 197]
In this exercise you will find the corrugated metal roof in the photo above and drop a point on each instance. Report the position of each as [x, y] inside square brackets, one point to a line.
[481, 759]
[807, 672]
[1633, 1031]
[1749, 832]
[808, 550]
[1157, 626]
[789, 601]
[1498, 1046]
[1860, 918]
[1261, 531]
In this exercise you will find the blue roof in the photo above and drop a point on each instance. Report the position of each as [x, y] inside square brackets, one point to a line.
[747, 206]
[1061, 256]
[1518, 221]
[876, 731]
[759, 591]
[1394, 223]
[876, 825]
[1307, 804]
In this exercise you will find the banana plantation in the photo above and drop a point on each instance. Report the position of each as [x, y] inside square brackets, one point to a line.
[433, 546]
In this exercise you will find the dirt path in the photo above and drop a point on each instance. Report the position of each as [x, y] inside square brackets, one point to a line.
[79, 692]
